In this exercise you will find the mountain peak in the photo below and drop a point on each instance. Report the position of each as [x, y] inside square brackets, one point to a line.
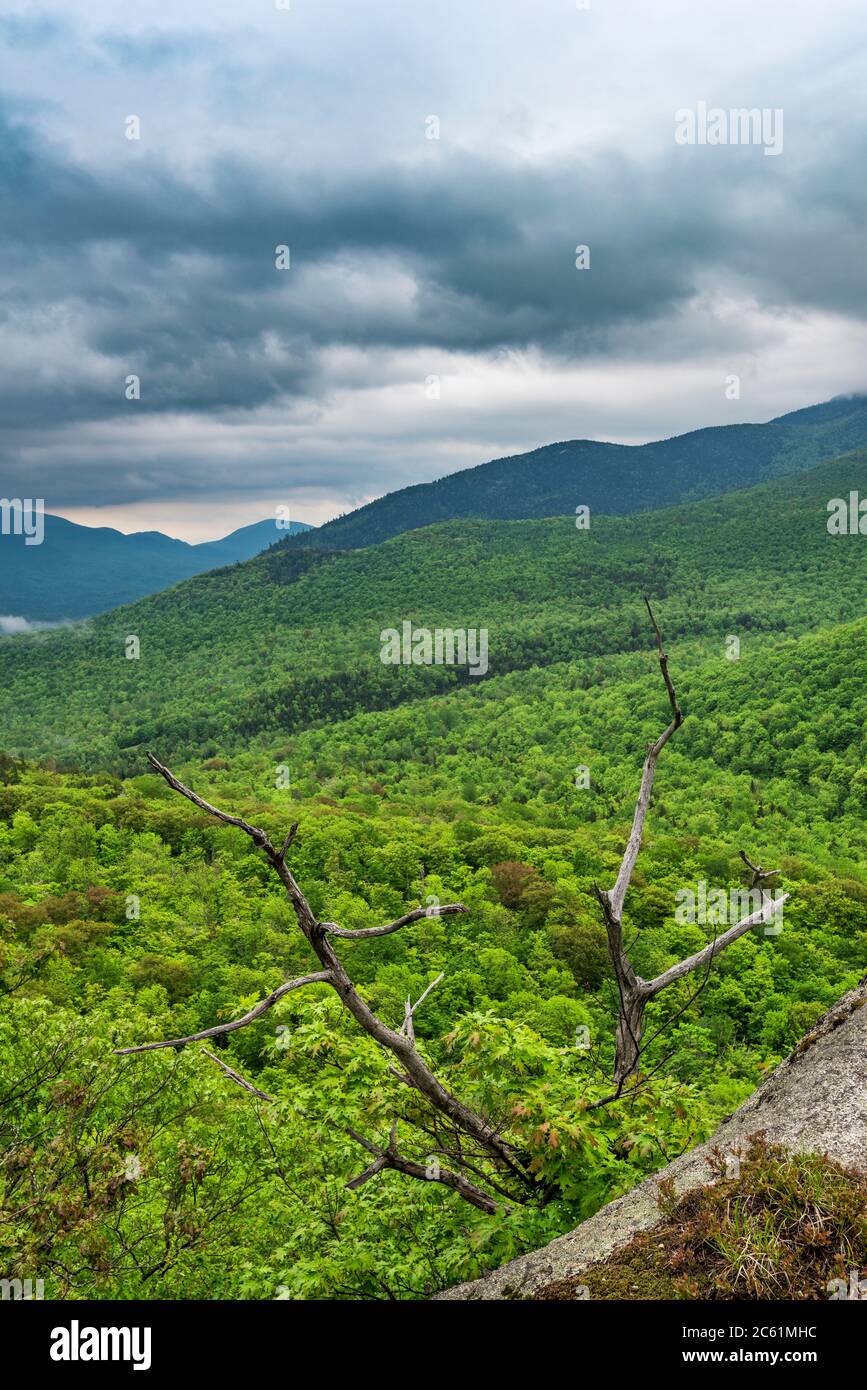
[610, 479]
[78, 571]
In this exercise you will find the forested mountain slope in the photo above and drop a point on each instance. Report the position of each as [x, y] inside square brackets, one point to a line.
[289, 639]
[126, 915]
[612, 479]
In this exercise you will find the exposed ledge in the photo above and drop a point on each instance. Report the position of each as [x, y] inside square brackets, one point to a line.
[816, 1100]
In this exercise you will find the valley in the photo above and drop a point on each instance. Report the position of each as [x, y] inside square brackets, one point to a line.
[128, 915]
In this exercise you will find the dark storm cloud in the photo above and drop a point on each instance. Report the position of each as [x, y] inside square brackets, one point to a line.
[166, 270]
[178, 280]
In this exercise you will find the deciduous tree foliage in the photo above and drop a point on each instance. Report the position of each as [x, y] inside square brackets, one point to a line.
[128, 915]
[229, 1195]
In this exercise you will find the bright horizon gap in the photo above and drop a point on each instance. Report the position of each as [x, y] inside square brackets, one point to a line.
[197, 522]
[191, 522]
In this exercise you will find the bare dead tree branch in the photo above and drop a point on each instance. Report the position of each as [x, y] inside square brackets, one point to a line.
[470, 1138]
[687, 1004]
[634, 992]
[376, 1167]
[448, 1142]
[618, 892]
[320, 977]
[390, 1158]
[410, 1009]
[407, 1026]
[759, 874]
[769, 909]
[237, 1077]
[415, 916]
[293, 831]
[255, 834]
[412, 1068]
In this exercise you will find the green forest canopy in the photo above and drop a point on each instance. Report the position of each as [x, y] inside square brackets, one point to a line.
[126, 914]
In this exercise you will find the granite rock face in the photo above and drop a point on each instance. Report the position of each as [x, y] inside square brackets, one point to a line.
[815, 1101]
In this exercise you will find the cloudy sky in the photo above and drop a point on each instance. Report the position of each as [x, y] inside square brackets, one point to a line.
[411, 258]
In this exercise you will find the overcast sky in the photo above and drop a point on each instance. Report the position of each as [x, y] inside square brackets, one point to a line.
[411, 257]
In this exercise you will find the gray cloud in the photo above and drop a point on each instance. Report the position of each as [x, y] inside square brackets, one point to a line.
[160, 262]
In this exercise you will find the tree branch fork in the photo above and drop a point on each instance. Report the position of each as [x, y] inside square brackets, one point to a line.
[635, 992]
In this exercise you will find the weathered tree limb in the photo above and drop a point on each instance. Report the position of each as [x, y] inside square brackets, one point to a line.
[293, 831]
[320, 977]
[770, 907]
[473, 1134]
[759, 874]
[408, 1027]
[414, 1070]
[390, 1158]
[237, 1077]
[255, 834]
[417, 913]
[303, 912]
[634, 993]
[409, 1009]
[618, 892]
[376, 1167]
[452, 1145]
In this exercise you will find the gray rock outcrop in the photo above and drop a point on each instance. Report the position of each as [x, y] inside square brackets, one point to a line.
[816, 1101]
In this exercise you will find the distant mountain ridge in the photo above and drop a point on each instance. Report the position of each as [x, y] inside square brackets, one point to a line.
[79, 571]
[612, 479]
[291, 639]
